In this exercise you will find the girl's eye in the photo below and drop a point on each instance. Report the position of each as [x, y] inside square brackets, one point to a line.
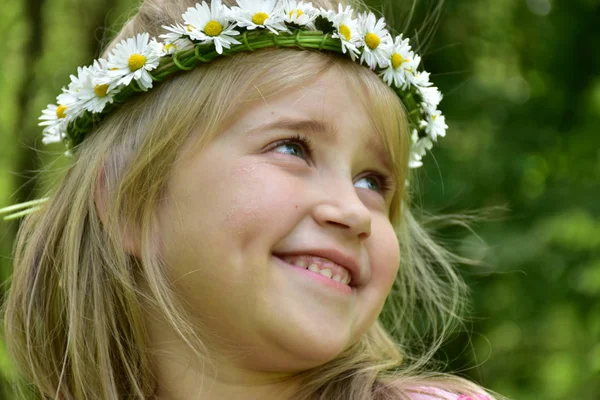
[302, 147]
[299, 142]
[383, 183]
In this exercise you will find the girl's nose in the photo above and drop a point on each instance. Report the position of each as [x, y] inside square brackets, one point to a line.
[341, 207]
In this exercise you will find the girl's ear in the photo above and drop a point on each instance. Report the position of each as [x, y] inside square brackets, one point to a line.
[130, 242]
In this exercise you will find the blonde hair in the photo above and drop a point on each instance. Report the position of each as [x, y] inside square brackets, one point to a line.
[74, 317]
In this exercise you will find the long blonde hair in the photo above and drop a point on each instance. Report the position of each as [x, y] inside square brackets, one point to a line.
[74, 318]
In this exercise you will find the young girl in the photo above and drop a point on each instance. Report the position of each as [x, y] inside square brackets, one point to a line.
[234, 231]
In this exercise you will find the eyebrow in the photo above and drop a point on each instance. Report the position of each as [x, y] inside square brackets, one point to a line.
[324, 128]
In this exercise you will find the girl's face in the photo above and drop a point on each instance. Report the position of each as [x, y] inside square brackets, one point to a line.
[234, 209]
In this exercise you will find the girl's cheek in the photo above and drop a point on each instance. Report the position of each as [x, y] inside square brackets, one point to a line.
[386, 249]
[262, 193]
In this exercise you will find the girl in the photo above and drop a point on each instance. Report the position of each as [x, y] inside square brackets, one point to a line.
[235, 232]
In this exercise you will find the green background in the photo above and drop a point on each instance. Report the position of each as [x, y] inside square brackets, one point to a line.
[522, 97]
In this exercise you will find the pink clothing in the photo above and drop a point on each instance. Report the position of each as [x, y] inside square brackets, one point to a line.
[430, 393]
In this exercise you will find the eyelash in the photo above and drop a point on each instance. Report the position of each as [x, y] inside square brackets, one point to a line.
[385, 181]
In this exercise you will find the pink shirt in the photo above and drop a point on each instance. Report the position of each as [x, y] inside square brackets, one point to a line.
[438, 394]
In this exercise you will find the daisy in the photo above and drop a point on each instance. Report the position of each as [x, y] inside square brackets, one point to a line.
[54, 118]
[85, 93]
[402, 64]
[68, 101]
[419, 148]
[132, 59]
[211, 25]
[176, 40]
[412, 75]
[378, 41]
[431, 98]
[435, 125]
[299, 13]
[70, 96]
[94, 94]
[420, 78]
[346, 29]
[252, 14]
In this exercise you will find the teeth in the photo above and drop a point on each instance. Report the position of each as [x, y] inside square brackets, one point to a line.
[325, 272]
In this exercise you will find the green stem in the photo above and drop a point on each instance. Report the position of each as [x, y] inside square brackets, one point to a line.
[21, 214]
[20, 206]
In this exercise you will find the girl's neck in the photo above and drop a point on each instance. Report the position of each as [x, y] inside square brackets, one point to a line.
[181, 376]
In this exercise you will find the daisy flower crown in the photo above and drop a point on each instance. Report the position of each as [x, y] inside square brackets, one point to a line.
[206, 32]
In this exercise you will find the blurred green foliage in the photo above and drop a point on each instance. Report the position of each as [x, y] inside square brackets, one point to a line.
[522, 97]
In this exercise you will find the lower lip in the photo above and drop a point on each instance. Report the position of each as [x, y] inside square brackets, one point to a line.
[318, 277]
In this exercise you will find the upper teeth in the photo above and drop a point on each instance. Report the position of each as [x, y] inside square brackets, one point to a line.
[321, 266]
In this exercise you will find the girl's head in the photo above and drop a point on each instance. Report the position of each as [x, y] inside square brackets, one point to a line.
[173, 232]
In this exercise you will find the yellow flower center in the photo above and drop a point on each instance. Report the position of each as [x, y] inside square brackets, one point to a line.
[136, 61]
[372, 40]
[397, 60]
[259, 18]
[213, 28]
[345, 31]
[61, 111]
[298, 13]
[433, 117]
[169, 46]
[101, 90]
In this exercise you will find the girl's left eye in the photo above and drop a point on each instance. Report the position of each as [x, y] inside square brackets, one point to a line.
[383, 182]
[305, 145]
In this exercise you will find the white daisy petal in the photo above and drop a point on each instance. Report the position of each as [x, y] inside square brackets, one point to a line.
[211, 25]
[91, 94]
[377, 40]
[55, 122]
[346, 29]
[132, 59]
[300, 13]
[176, 39]
[252, 14]
[431, 98]
[420, 79]
[435, 125]
[419, 147]
[401, 64]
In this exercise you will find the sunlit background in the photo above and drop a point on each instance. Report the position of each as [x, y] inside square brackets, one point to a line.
[522, 98]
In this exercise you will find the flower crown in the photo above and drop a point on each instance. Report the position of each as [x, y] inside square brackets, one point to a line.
[209, 31]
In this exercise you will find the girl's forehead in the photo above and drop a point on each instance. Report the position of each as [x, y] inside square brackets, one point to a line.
[329, 97]
[327, 108]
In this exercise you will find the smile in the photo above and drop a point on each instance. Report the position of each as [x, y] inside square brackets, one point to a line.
[321, 272]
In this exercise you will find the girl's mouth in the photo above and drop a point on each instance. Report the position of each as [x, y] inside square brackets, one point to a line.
[323, 275]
